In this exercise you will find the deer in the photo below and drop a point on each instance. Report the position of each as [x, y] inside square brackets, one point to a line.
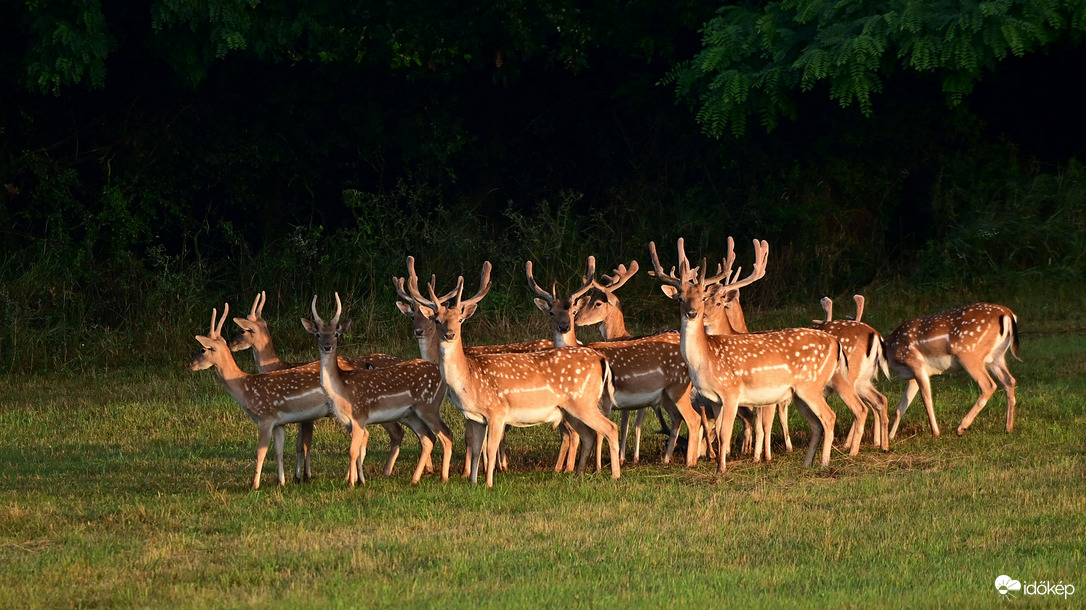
[974, 337]
[409, 392]
[605, 309]
[520, 389]
[647, 372]
[255, 334]
[755, 369]
[271, 400]
[425, 330]
[863, 347]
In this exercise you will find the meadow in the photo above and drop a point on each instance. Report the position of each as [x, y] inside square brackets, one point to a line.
[128, 487]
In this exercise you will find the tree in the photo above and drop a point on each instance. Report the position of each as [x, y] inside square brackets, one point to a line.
[756, 58]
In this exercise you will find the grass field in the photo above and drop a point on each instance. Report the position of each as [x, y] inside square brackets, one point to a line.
[130, 488]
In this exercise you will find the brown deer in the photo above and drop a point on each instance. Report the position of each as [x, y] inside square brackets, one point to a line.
[863, 347]
[605, 309]
[757, 369]
[409, 392]
[647, 372]
[519, 389]
[271, 400]
[255, 334]
[975, 337]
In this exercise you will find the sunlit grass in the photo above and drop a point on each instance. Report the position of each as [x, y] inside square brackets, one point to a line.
[129, 488]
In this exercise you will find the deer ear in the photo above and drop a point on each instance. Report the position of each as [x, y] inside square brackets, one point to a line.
[731, 295]
[205, 341]
[309, 326]
[671, 291]
[244, 323]
[581, 302]
[612, 300]
[404, 308]
[343, 327]
[542, 304]
[712, 290]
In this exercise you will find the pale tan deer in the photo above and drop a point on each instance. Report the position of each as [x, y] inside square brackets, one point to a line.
[975, 337]
[647, 372]
[863, 347]
[422, 321]
[255, 334]
[408, 392]
[757, 369]
[519, 389]
[271, 400]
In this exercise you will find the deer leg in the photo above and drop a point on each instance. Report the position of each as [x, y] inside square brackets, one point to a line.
[432, 418]
[426, 439]
[725, 423]
[766, 415]
[782, 411]
[395, 441]
[925, 393]
[679, 403]
[911, 387]
[278, 434]
[358, 440]
[1003, 374]
[748, 426]
[710, 431]
[664, 427]
[588, 437]
[495, 429]
[564, 447]
[605, 428]
[469, 432]
[262, 450]
[639, 422]
[979, 374]
[673, 437]
[303, 470]
[816, 426]
[623, 432]
[475, 451]
[879, 405]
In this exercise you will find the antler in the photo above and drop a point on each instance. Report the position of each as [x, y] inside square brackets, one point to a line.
[546, 296]
[618, 277]
[257, 311]
[413, 279]
[658, 270]
[723, 271]
[827, 306]
[761, 257]
[216, 330]
[859, 298]
[434, 303]
[588, 279]
[316, 316]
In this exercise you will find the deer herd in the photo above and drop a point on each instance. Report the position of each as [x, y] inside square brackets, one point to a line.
[704, 375]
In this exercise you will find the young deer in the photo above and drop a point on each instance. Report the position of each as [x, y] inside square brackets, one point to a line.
[520, 389]
[256, 335]
[408, 392]
[863, 347]
[647, 372]
[975, 337]
[757, 369]
[271, 400]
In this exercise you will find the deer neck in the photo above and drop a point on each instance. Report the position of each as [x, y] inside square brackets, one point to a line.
[331, 377]
[693, 342]
[613, 327]
[266, 359]
[457, 370]
[566, 339]
[430, 348]
[232, 377]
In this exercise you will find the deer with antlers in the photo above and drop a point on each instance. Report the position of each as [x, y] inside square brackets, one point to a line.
[757, 369]
[519, 389]
[863, 347]
[271, 400]
[256, 335]
[975, 337]
[647, 372]
[408, 392]
[422, 321]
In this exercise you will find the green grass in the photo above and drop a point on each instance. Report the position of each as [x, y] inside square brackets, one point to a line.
[129, 488]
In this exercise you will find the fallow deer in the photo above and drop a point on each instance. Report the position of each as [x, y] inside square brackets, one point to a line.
[863, 347]
[520, 389]
[757, 369]
[408, 392]
[271, 400]
[975, 337]
[255, 334]
[647, 372]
